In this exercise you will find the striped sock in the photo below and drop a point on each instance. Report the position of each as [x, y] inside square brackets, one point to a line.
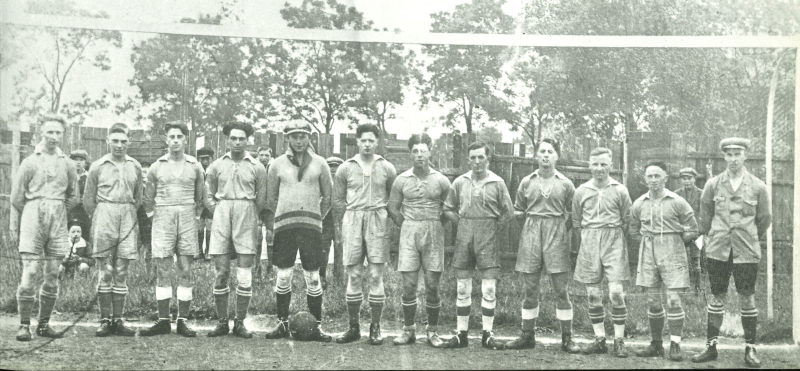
[163, 295]
[657, 323]
[715, 316]
[47, 300]
[529, 316]
[463, 307]
[243, 295]
[487, 310]
[314, 301]
[433, 310]
[354, 307]
[409, 311]
[618, 316]
[676, 317]
[564, 316]
[118, 295]
[376, 307]
[221, 301]
[105, 301]
[184, 301]
[749, 324]
[597, 315]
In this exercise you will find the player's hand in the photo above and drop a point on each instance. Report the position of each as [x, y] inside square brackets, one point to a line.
[83, 267]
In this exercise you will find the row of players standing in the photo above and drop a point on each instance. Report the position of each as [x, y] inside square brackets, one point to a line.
[365, 195]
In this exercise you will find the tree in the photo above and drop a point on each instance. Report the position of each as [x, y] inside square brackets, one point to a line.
[468, 75]
[490, 133]
[43, 85]
[386, 70]
[325, 84]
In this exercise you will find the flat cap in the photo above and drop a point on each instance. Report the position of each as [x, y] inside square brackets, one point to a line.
[205, 152]
[333, 160]
[79, 153]
[297, 127]
[73, 222]
[236, 125]
[688, 171]
[734, 143]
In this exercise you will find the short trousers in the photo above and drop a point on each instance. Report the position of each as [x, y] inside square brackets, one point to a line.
[174, 231]
[421, 245]
[476, 244]
[289, 241]
[662, 260]
[365, 233]
[544, 243]
[602, 253]
[719, 276]
[234, 228]
[43, 228]
[115, 231]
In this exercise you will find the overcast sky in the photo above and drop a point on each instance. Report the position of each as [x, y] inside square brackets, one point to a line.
[407, 15]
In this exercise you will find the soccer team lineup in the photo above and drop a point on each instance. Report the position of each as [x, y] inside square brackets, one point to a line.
[63, 223]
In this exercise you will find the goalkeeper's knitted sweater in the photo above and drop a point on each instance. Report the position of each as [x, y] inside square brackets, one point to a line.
[303, 202]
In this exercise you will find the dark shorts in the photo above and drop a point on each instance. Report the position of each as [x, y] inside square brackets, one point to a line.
[744, 276]
[288, 242]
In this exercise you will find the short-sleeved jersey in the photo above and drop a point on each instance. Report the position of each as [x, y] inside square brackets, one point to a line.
[671, 214]
[420, 198]
[601, 208]
[356, 188]
[536, 200]
[489, 200]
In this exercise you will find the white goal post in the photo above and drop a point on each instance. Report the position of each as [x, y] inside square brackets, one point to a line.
[14, 17]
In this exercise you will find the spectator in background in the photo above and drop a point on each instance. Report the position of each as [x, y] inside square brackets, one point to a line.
[79, 256]
[692, 194]
[205, 155]
[81, 159]
[332, 232]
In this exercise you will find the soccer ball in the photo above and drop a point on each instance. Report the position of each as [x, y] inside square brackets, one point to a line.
[302, 325]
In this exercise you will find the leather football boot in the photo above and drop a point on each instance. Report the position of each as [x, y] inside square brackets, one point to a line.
[183, 330]
[44, 330]
[488, 341]
[375, 337]
[118, 328]
[241, 331]
[104, 329]
[24, 333]
[161, 327]
[281, 330]
[655, 349]
[351, 335]
[598, 347]
[408, 336]
[435, 341]
[707, 355]
[569, 346]
[459, 340]
[620, 351]
[222, 329]
[526, 341]
[751, 357]
[675, 353]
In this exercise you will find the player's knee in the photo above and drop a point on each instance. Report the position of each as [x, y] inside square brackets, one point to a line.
[51, 277]
[489, 289]
[105, 278]
[25, 290]
[464, 288]
[409, 290]
[595, 296]
[747, 300]
[312, 281]
[244, 277]
[284, 277]
[674, 302]
[432, 295]
[616, 294]
[718, 300]
[562, 296]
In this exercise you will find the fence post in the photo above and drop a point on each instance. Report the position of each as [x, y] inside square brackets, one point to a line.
[796, 247]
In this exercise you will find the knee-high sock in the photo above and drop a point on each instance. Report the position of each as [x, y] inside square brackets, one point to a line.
[47, 300]
[163, 295]
[184, 301]
[314, 294]
[376, 307]
[657, 323]
[118, 295]
[283, 292]
[529, 316]
[749, 324]
[354, 307]
[409, 311]
[433, 310]
[564, 317]
[597, 315]
[221, 293]
[676, 317]
[488, 303]
[25, 300]
[618, 316]
[105, 301]
[243, 295]
[715, 316]
[463, 303]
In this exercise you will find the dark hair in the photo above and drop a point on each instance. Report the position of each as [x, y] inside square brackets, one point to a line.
[478, 145]
[368, 128]
[243, 126]
[601, 151]
[553, 143]
[420, 139]
[660, 164]
[176, 125]
[53, 117]
[145, 163]
[263, 148]
[118, 128]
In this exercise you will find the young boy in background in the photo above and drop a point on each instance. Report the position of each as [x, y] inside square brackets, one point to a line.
[79, 254]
